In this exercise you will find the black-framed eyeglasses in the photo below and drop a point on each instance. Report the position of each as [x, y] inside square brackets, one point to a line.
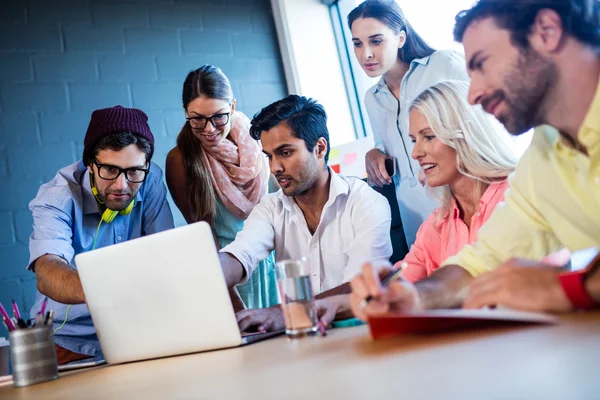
[112, 172]
[216, 120]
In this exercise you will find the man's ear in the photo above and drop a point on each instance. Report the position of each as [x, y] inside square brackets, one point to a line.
[90, 169]
[321, 147]
[547, 32]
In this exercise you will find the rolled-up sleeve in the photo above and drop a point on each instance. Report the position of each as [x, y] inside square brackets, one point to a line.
[256, 240]
[52, 226]
[157, 213]
[371, 220]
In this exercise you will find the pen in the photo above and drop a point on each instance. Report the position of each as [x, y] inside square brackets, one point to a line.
[5, 324]
[392, 277]
[6, 318]
[39, 320]
[21, 324]
[44, 303]
[322, 330]
[16, 312]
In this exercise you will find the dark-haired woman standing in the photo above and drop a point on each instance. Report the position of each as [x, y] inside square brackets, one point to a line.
[386, 45]
[217, 173]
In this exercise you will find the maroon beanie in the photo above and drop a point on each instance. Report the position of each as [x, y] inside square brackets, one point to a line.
[117, 119]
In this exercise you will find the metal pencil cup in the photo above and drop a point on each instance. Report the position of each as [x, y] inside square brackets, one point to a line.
[32, 355]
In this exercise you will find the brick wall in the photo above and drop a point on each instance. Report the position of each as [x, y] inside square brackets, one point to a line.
[60, 60]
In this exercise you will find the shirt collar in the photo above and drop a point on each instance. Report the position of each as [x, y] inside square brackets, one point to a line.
[90, 204]
[337, 187]
[423, 61]
[491, 190]
[589, 133]
[380, 85]
[413, 64]
[485, 199]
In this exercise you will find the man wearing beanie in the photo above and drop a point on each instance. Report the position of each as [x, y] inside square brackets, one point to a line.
[70, 217]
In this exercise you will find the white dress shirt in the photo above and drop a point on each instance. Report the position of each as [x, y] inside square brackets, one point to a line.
[354, 229]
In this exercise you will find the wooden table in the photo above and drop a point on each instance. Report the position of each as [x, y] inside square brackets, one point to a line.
[533, 362]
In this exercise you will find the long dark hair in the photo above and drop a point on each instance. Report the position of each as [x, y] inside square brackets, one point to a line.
[390, 13]
[207, 81]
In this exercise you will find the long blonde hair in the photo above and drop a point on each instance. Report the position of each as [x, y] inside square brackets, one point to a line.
[210, 82]
[483, 148]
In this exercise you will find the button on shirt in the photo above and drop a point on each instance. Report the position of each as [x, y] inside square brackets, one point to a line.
[354, 228]
[65, 218]
[389, 122]
[553, 200]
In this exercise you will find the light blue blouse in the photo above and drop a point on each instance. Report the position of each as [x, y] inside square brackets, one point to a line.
[389, 123]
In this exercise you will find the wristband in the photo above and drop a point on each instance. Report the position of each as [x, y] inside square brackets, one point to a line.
[573, 286]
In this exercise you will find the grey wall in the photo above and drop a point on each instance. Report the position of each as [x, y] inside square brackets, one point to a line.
[60, 60]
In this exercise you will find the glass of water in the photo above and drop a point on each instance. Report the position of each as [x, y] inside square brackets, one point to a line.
[297, 301]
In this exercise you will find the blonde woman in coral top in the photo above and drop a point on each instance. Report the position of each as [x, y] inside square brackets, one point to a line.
[466, 158]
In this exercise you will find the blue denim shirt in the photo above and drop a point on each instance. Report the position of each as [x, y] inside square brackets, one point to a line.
[389, 123]
[65, 218]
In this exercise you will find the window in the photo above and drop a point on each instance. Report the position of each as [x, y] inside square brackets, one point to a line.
[311, 62]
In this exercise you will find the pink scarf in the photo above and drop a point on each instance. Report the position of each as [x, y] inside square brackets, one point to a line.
[237, 168]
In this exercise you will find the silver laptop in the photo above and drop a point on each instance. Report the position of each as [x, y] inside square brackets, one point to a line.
[160, 295]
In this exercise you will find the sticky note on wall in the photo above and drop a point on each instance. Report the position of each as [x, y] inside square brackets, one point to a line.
[350, 158]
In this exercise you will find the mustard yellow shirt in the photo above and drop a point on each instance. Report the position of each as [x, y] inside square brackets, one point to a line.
[553, 201]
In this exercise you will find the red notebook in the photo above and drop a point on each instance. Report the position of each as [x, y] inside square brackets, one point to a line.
[432, 321]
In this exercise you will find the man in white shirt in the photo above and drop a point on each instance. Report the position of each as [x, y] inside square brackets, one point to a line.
[337, 223]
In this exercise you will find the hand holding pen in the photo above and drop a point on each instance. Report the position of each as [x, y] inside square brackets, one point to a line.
[373, 296]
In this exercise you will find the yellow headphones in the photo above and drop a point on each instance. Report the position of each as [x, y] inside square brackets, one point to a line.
[109, 215]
